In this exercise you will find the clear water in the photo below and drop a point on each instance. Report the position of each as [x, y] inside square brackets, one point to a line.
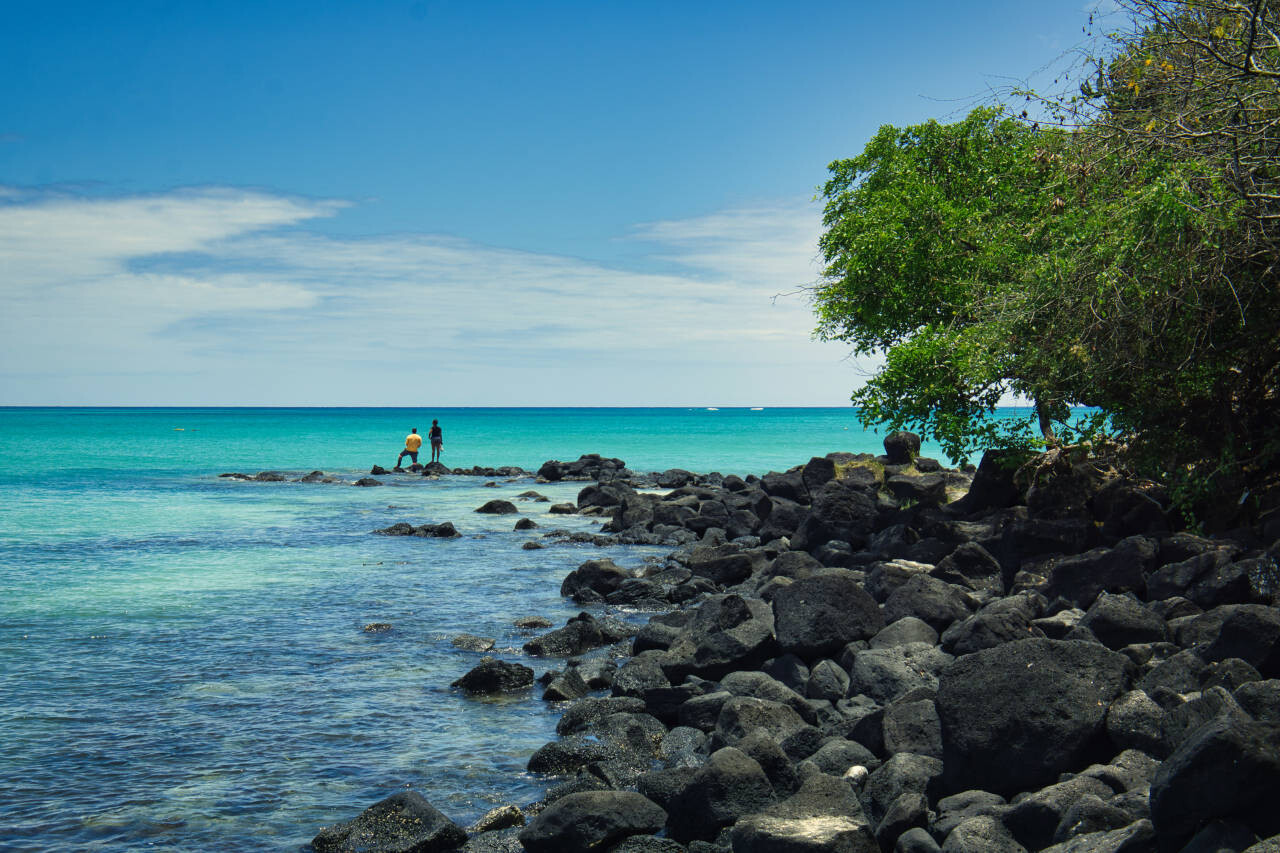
[182, 660]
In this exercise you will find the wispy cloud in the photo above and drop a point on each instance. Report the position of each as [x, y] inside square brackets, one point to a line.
[220, 287]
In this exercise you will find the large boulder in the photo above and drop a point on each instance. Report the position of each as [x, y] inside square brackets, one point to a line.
[839, 511]
[726, 564]
[1121, 620]
[993, 485]
[901, 447]
[604, 495]
[930, 600]
[824, 816]
[728, 632]
[1228, 769]
[729, 786]
[885, 674]
[590, 821]
[402, 823]
[497, 507]
[820, 615]
[495, 676]
[1250, 632]
[580, 634]
[1016, 716]
[973, 566]
[1002, 621]
[600, 576]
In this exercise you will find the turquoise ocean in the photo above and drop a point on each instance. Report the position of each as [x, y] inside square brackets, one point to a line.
[183, 664]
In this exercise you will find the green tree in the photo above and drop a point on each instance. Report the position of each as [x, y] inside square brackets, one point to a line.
[1125, 259]
[928, 233]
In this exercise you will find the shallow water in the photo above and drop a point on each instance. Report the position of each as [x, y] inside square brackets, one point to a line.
[184, 665]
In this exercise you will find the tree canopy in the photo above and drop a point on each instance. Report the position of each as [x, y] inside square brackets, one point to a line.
[1122, 257]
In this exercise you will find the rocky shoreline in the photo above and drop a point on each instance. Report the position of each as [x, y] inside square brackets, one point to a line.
[875, 653]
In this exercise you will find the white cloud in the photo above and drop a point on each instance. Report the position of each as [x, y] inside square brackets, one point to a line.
[131, 300]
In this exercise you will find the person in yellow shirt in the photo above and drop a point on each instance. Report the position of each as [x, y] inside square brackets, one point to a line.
[412, 442]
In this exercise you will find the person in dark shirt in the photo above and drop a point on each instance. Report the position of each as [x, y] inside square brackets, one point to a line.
[437, 440]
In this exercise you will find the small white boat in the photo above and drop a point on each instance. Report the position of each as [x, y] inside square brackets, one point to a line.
[712, 409]
[757, 408]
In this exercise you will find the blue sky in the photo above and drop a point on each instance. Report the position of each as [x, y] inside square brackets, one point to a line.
[449, 203]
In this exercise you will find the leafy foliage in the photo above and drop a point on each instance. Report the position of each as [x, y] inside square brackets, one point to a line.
[1124, 259]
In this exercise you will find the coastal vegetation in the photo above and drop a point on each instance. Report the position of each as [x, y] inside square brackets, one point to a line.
[1112, 247]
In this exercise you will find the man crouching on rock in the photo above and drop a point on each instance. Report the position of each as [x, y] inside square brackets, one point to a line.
[412, 442]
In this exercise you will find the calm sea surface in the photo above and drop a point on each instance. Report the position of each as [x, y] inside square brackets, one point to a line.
[182, 660]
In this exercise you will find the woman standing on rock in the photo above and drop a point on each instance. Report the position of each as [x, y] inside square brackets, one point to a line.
[437, 440]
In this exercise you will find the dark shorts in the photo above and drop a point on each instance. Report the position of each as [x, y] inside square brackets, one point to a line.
[437, 442]
[412, 454]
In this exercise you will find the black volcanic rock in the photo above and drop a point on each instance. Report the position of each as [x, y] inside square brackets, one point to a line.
[495, 676]
[1017, 715]
[402, 822]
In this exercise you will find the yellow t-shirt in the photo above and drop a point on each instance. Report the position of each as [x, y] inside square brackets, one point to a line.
[412, 442]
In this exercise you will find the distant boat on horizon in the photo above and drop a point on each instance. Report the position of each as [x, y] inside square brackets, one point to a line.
[757, 408]
[712, 409]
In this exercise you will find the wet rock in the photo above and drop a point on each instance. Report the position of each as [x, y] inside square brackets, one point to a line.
[501, 817]
[495, 676]
[472, 643]
[526, 524]
[444, 530]
[568, 685]
[403, 821]
[532, 622]
[600, 576]
[497, 507]
[363, 481]
[580, 634]
[377, 627]
[590, 821]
